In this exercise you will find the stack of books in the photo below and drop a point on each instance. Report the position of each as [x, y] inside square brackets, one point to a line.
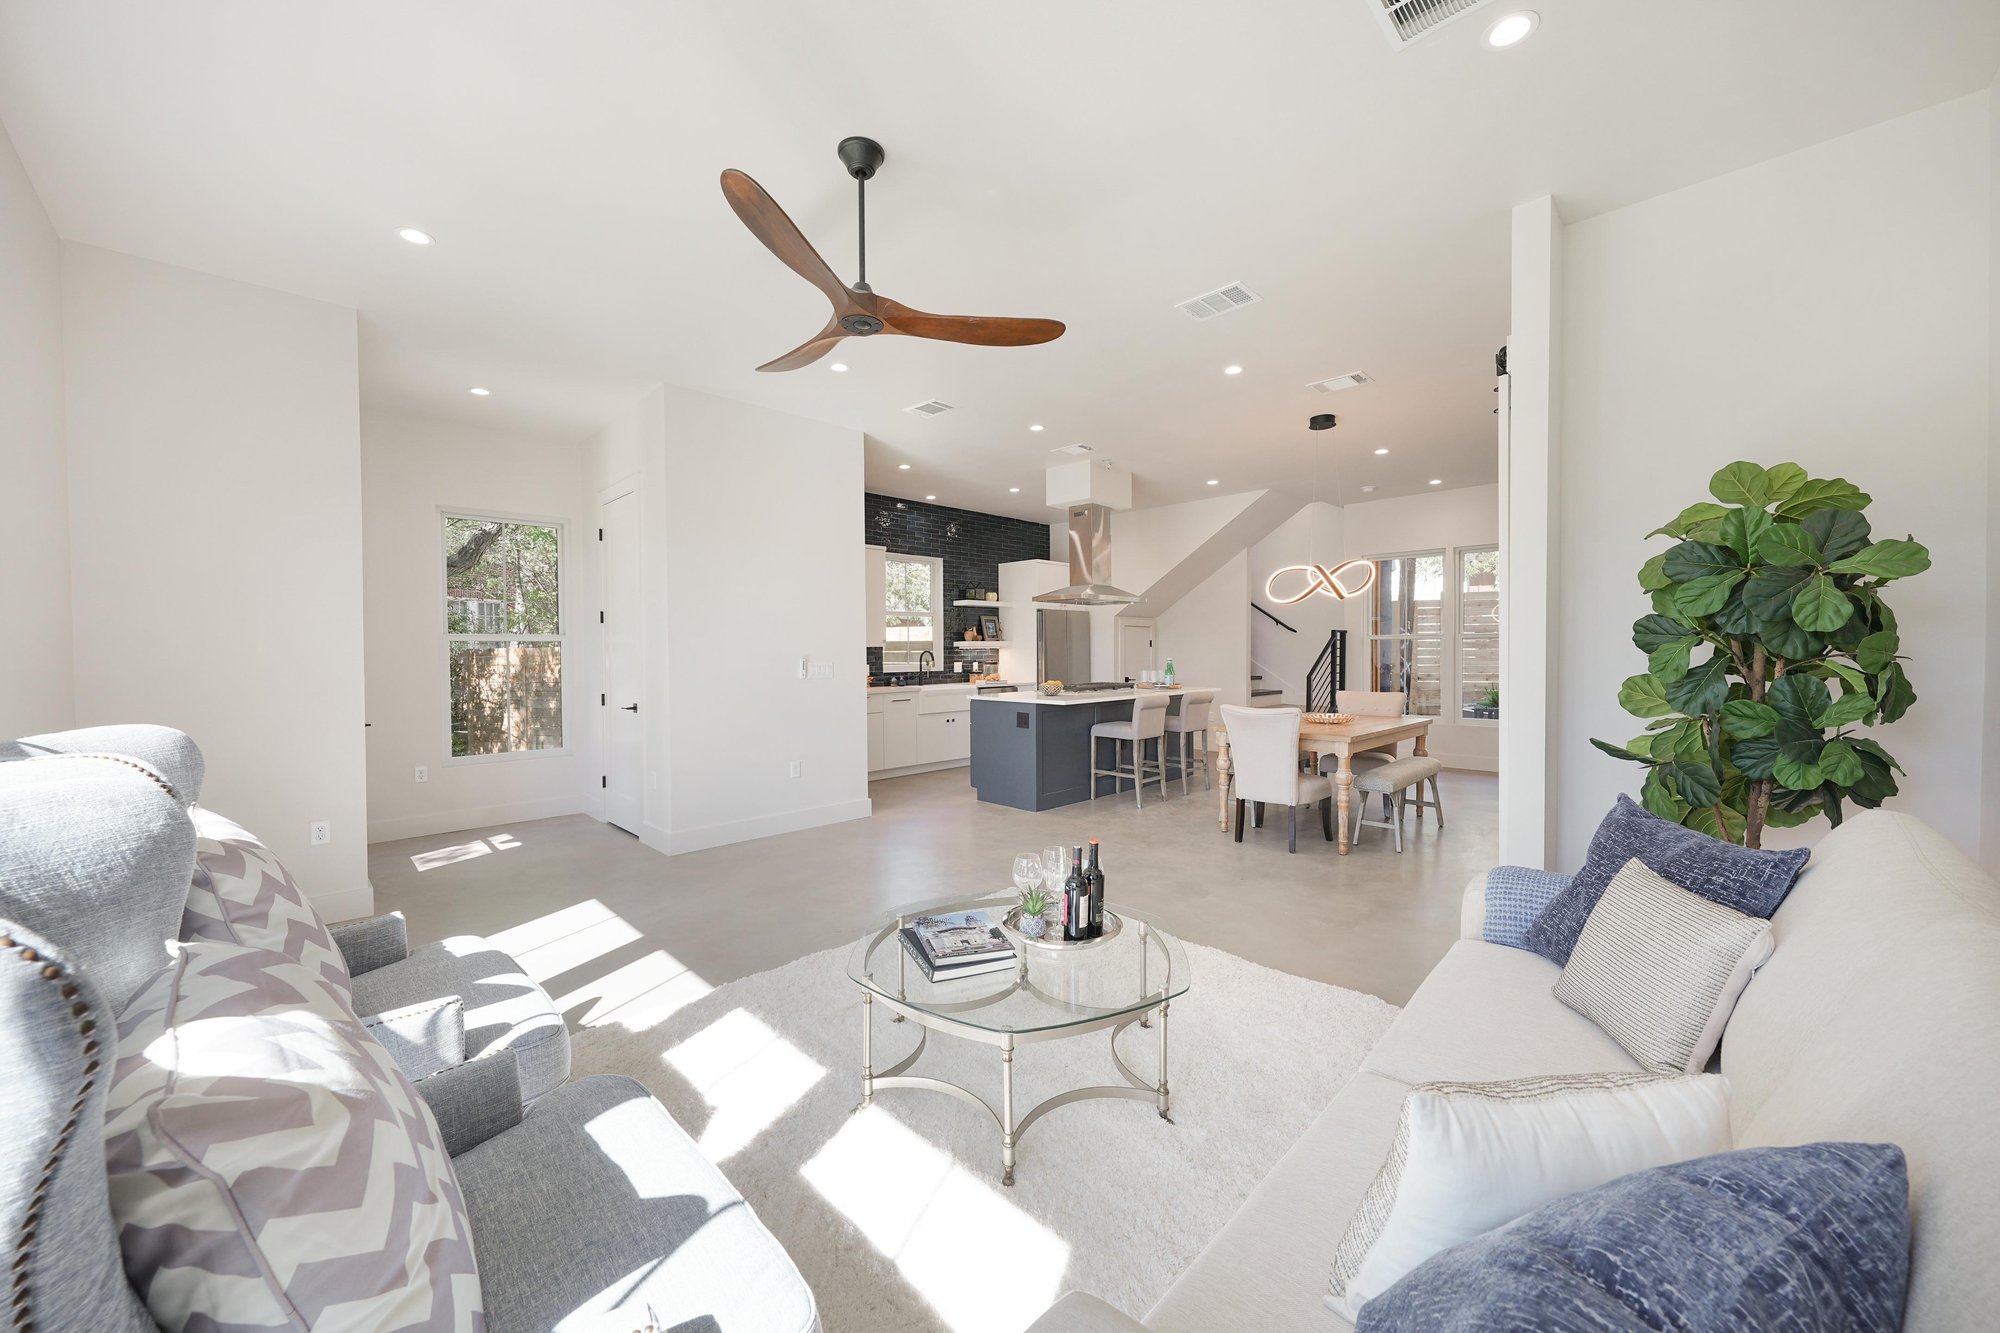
[957, 944]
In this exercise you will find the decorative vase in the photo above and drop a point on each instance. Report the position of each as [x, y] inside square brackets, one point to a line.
[1033, 926]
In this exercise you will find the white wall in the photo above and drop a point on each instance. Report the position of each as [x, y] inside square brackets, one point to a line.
[1439, 520]
[1316, 533]
[1207, 633]
[1831, 307]
[411, 467]
[215, 526]
[739, 505]
[1990, 786]
[36, 690]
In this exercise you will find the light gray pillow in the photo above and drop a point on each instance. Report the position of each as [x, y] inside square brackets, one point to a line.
[1660, 968]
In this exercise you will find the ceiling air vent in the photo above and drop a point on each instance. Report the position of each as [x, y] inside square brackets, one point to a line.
[1073, 450]
[1405, 21]
[930, 409]
[1351, 380]
[1218, 302]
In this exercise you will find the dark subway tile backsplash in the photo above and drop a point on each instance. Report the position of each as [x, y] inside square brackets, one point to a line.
[972, 545]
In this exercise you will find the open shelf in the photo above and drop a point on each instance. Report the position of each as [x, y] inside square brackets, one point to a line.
[966, 603]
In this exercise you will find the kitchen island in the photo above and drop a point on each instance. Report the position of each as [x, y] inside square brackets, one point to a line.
[1032, 751]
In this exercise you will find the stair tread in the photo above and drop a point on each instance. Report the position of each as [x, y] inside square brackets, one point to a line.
[1258, 694]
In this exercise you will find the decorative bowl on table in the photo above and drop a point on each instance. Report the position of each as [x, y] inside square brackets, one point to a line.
[1011, 925]
[1334, 718]
[1051, 688]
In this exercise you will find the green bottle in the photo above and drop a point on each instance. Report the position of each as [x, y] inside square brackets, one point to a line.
[1170, 671]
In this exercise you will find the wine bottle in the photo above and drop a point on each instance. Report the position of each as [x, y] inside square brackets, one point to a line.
[1076, 900]
[1093, 879]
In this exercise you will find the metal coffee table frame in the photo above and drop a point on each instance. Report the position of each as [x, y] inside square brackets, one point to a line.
[937, 1017]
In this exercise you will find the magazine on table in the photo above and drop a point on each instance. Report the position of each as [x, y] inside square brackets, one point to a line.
[959, 937]
[970, 967]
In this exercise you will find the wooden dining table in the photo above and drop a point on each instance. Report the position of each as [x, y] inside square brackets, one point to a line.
[1341, 739]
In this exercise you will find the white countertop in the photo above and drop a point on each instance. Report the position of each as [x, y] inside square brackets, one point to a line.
[940, 685]
[1033, 696]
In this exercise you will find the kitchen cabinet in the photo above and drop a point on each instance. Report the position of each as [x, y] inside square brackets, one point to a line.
[876, 594]
[943, 737]
[899, 730]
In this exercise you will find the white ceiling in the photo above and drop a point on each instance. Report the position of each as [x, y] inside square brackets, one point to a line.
[1092, 161]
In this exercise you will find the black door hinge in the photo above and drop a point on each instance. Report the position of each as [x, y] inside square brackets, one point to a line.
[600, 534]
[600, 617]
[604, 782]
[600, 701]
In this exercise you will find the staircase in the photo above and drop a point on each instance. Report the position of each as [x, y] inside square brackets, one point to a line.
[1270, 695]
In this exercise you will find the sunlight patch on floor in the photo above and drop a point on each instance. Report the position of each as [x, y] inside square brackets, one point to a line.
[554, 944]
[982, 1263]
[639, 995]
[748, 1074]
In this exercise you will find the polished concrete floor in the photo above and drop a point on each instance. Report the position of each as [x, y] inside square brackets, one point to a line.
[1373, 920]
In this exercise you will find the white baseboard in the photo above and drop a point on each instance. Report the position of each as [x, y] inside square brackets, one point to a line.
[675, 841]
[877, 775]
[344, 904]
[478, 816]
[1467, 763]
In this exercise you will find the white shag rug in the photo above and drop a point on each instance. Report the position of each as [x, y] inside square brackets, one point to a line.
[896, 1215]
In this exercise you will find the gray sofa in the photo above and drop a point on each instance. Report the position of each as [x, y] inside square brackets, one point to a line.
[590, 1209]
[1877, 1019]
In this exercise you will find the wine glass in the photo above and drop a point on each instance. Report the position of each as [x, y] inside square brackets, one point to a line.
[1055, 868]
[1027, 871]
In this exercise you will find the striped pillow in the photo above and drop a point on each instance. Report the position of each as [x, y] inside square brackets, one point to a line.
[242, 894]
[270, 1166]
[1660, 969]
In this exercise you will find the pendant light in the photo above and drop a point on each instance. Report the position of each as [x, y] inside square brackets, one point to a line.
[1350, 578]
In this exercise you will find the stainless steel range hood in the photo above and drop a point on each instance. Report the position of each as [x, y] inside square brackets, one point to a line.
[1089, 562]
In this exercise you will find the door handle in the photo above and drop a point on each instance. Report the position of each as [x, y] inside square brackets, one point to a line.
[630, 708]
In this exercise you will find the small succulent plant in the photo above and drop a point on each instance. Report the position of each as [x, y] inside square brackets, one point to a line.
[1035, 902]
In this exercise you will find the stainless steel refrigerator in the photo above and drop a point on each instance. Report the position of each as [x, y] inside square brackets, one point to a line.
[1062, 645]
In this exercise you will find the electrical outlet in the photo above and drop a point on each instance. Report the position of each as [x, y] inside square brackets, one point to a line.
[797, 768]
[322, 832]
[423, 773]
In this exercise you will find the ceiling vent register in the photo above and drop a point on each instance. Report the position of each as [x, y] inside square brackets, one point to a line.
[932, 408]
[1073, 450]
[1218, 302]
[1406, 21]
[1352, 380]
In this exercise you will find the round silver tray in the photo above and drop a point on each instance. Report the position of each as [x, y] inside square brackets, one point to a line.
[1011, 923]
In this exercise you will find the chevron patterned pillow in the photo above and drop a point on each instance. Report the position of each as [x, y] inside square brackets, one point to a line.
[242, 894]
[270, 1166]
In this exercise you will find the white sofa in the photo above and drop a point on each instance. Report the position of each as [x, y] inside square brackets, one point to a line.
[1876, 1020]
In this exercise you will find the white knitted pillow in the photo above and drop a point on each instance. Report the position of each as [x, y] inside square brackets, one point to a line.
[1660, 969]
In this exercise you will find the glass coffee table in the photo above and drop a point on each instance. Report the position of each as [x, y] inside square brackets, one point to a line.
[1053, 991]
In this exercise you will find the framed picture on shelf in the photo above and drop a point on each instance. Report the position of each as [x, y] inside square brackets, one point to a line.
[989, 627]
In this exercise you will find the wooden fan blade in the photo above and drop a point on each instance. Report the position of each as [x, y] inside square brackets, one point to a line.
[980, 330]
[809, 351]
[768, 223]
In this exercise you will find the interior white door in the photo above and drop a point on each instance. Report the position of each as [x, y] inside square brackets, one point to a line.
[623, 779]
[1135, 647]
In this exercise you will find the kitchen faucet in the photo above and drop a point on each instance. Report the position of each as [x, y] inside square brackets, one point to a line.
[922, 657]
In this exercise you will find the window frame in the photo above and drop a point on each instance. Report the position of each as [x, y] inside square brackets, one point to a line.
[936, 613]
[1447, 628]
[562, 638]
[1458, 554]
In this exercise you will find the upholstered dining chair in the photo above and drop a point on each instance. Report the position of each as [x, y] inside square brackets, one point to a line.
[1371, 703]
[1264, 757]
[1147, 723]
[1184, 726]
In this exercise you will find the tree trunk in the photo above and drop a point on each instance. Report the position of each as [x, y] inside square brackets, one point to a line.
[1758, 804]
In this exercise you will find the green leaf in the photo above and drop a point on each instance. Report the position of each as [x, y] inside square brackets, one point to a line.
[1669, 661]
[1824, 493]
[1799, 777]
[1839, 764]
[1768, 593]
[1700, 598]
[1839, 532]
[1800, 699]
[1733, 618]
[1683, 740]
[1853, 706]
[1641, 746]
[1703, 689]
[1618, 752]
[1877, 651]
[1694, 783]
[1693, 560]
[1788, 544]
[1650, 632]
[1891, 559]
[1731, 830]
[1783, 480]
[1894, 692]
[1740, 529]
[1754, 758]
[1663, 601]
[1741, 484]
[1820, 606]
[1852, 678]
[1687, 518]
[1656, 797]
[1652, 577]
[1777, 817]
[1782, 638]
[1643, 696]
[1743, 719]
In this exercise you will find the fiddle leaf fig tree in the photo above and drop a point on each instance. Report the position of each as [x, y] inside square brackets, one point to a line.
[1769, 642]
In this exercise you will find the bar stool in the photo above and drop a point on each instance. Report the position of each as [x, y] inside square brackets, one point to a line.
[1147, 723]
[1185, 725]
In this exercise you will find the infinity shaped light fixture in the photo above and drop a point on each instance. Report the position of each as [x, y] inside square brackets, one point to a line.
[1320, 579]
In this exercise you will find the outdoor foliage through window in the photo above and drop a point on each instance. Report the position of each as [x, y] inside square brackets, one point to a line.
[910, 614]
[1406, 630]
[1479, 632]
[503, 635]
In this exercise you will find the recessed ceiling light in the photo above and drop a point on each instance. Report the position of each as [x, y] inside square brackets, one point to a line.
[1035, 427]
[1215, 481]
[479, 391]
[1232, 370]
[902, 467]
[1013, 490]
[1381, 451]
[415, 237]
[838, 367]
[1437, 481]
[930, 497]
[1512, 29]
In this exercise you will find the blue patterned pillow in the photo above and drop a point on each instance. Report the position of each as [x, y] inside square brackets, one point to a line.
[1814, 1239]
[1515, 896]
[1751, 881]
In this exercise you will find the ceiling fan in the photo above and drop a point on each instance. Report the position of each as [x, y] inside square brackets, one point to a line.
[857, 311]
